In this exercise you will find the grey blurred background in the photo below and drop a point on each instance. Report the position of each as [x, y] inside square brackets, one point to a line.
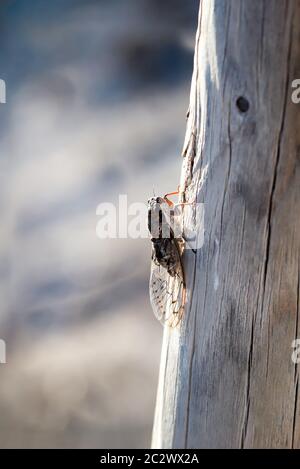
[97, 92]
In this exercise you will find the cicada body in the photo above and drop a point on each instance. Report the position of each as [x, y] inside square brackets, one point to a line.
[167, 282]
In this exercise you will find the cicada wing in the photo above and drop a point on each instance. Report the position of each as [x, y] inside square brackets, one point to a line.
[158, 287]
[167, 294]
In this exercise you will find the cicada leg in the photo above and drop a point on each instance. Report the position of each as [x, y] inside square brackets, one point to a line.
[166, 197]
[171, 204]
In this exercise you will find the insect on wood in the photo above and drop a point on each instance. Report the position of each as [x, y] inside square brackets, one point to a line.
[167, 281]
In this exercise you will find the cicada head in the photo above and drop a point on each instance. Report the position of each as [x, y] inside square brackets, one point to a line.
[154, 203]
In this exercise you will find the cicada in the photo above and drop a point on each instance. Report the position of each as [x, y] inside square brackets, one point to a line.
[167, 281]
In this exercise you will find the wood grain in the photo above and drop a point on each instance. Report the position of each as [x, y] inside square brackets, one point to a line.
[227, 379]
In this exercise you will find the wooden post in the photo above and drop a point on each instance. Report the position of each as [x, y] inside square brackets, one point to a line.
[227, 379]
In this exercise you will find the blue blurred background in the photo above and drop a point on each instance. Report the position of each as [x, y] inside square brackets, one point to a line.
[97, 92]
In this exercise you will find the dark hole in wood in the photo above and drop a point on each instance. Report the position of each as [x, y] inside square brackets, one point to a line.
[242, 104]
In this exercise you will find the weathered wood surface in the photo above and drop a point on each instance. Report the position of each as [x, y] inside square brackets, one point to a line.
[227, 379]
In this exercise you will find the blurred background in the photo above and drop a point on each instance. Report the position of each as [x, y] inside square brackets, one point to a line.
[97, 92]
